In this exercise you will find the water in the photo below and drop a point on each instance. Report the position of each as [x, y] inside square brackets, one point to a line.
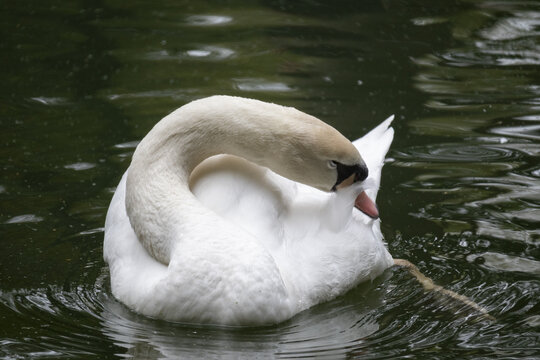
[84, 81]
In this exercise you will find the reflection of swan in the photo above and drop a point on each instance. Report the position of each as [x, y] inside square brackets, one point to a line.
[332, 330]
[244, 245]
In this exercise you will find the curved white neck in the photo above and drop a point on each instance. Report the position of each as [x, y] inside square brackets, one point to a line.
[159, 202]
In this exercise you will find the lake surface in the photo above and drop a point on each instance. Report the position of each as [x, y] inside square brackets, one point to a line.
[83, 81]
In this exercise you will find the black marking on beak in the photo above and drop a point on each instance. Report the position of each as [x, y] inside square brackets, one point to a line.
[360, 172]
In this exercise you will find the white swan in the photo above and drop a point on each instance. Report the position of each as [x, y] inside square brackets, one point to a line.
[198, 238]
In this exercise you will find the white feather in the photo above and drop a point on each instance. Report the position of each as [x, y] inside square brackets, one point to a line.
[259, 249]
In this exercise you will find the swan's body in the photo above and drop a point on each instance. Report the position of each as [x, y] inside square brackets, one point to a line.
[226, 241]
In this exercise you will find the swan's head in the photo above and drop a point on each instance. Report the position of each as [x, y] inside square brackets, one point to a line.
[318, 155]
[334, 164]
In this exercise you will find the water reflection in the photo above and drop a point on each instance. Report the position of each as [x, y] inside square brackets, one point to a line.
[27, 218]
[502, 262]
[479, 181]
[303, 337]
[319, 333]
[200, 53]
[509, 41]
[177, 94]
[79, 166]
[377, 326]
[524, 131]
[256, 85]
[50, 101]
[208, 20]
[460, 198]
[516, 34]
[494, 189]
[460, 153]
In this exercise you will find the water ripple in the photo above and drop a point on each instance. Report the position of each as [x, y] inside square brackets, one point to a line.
[475, 229]
[80, 166]
[261, 85]
[492, 55]
[62, 311]
[522, 24]
[128, 145]
[200, 53]
[50, 101]
[503, 262]
[27, 218]
[373, 321]
[458, 152]
[178, 94]
[208, 20]
[526, 132]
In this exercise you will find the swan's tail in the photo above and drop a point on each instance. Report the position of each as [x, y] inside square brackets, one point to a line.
[373, 147]
[429, 285]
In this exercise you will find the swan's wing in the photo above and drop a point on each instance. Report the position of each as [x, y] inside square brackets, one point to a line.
[373, 147]
[251, 197]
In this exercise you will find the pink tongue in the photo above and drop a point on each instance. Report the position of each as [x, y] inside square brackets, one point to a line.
[365, 205]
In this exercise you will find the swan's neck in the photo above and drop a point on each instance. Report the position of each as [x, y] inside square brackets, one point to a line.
[159, 203]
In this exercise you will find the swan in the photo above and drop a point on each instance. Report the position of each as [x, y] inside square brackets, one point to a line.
[235, 211]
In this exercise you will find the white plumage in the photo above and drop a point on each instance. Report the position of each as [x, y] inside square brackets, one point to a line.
[218, 239]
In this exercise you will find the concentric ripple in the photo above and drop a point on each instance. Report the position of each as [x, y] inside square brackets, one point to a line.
[372, 321]
[460, 199]
[458, 152]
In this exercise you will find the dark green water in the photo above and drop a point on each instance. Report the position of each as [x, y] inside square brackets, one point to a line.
[83, 81]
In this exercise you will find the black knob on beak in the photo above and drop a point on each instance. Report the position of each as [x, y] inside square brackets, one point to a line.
[358, 172]
[361, 173]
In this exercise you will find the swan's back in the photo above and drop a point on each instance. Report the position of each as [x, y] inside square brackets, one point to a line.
[320, 249]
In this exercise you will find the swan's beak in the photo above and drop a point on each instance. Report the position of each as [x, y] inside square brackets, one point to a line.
[366, 205]
[348, 175]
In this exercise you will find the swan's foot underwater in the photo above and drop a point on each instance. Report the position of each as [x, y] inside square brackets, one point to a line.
[429, 285]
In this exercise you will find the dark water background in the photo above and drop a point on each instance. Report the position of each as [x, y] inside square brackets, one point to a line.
[83, 81]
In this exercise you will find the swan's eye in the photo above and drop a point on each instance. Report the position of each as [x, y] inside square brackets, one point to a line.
[332, 164]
